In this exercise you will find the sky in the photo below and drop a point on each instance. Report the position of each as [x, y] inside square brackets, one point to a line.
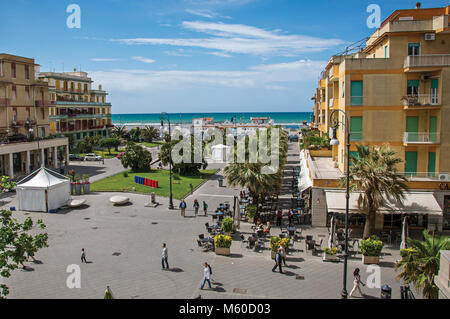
[193, 55]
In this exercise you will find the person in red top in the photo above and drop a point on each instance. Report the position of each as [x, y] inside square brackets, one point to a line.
[279, 217]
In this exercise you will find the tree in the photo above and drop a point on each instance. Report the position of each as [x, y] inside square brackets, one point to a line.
[16, 243]
[135, 134]
[149, 133]
[119, 132]
[136, 157]
[88, 143]
[373, 173]
[420, 263]
[109, 143]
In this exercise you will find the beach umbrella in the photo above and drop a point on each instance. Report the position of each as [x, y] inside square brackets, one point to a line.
[404, 243]
[332, 232]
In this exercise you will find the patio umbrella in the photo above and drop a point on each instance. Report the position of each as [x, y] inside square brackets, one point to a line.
[332, 232]
[404, 243]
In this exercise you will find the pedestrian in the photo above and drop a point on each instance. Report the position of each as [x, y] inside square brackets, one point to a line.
[210, 273]
[164, 257]
[278, 261]
[356, 282]
[205, 208]
[196, 207]
[283, 253]
[206, 276]
[241, 195]
[83, 256]
[30, 255]
[183, 207]
[279, 217]
[103, 161]
[290, 215]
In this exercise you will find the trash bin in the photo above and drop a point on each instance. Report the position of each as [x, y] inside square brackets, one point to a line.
[386, 292]
[220, 182]
[153, 197]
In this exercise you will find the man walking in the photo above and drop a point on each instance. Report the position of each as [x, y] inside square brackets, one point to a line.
[183, 207]
[196, 207]
[164, 257]
[206, 276]
[205, 208]
[283, 253]
[278, 261]
[83, 256]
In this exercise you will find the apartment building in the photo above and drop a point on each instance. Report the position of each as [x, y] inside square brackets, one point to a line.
[26, 140]
[78, 110]
[394, 91]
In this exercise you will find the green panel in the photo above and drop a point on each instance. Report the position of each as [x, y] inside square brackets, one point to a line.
[357, 93]
[434, 83]
[356, 128]
[386, 51]
[415, 83]
[432, 164]
[433, 128]
[412, 127]
[353, 154]
[411, 163]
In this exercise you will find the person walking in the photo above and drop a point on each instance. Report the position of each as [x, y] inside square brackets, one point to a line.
[164, 262]
[196, 207]
[206, 276]
[183, 207]
[356, 282]
[283, 253]
[205, 208]
[278, 261]
[83, 256]
[290, 216]
[279, 217]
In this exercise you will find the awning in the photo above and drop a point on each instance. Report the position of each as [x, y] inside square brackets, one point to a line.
[305, 181]
[414, 203]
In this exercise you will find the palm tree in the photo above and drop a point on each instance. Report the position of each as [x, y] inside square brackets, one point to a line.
[373, 173]
[420, 263]
[119, 132]
[149, 133]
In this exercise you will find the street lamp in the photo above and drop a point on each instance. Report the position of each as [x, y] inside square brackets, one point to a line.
[39, 149]
[164, 114]
[335, 142]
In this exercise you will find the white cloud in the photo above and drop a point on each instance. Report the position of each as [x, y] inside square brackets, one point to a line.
[104, 59]
[142, 59]
[206, 13]
[220, 54]
[178, 52]
[238, 38]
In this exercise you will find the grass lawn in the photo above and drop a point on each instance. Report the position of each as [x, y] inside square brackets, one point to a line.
[180, 188]
[152, 144]
[105, 154]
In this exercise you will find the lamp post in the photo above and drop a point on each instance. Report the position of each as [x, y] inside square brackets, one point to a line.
[39, 149]
[335, 142]
[163, 115]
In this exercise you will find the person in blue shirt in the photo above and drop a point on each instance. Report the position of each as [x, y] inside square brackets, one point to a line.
[278, 260]
[183, 207]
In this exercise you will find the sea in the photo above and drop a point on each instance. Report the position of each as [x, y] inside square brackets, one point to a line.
[284, 119]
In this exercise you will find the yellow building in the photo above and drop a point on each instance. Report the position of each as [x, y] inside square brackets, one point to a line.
[396, 91]
[78, 110]
[26, 142]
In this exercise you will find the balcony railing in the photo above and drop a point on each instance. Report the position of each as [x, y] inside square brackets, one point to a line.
[5, 102]
[435, 60]
[421, 138]
[421, 100]
[44, 103]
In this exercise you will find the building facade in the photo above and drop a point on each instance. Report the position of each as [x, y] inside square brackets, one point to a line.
[395, 91]
[78, 110]
[26, 140]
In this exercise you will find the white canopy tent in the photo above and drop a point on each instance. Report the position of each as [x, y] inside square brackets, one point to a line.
[305, 180]
[42, 191]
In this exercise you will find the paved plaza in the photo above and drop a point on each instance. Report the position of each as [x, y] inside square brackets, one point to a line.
[123, 246]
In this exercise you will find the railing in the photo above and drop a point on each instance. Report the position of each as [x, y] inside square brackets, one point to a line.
[421, 100]
[4, 102]
[82, 103]
[434, 60]
[421, 138]
[44, 103]
[435, 176]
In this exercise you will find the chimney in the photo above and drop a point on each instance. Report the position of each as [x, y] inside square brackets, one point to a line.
[418, 5]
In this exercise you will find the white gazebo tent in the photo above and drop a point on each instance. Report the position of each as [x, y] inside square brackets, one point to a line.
[42, 191]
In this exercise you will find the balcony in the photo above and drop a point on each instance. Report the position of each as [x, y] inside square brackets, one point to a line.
[427, 61]
[44, 103]
[414, 101]
[5, 102]
[421, 138]
[82, 103]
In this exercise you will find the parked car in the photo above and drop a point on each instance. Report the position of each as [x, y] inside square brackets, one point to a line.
[120, 155]
[92, 157]
[75, 157]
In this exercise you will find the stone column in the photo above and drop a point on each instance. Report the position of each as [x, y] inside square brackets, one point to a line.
[55, 157]
[11, 165]
[67, 154]
[27, 163]
[42, 157]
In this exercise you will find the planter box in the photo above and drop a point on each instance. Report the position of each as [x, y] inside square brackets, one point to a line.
[77, 189]
[371, 260]
[86, 188]
[328, 257]
[72, 188]
[223, 251]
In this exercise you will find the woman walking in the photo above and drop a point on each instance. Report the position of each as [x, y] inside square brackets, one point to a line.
[356, 282]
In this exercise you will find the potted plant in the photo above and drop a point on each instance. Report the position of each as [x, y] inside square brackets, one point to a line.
[6, 185]
[77, 184]
[251, 211]
[371, 250]
[330, 254]
[72, 183]
[86, 184]
[227, 226]
[275, 243]
[222, 244]
[406, 252]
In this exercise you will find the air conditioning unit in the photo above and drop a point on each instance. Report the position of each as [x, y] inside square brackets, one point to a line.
[430, 36]
[444, 177]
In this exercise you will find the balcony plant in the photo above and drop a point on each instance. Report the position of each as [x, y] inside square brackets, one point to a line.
[371, 250]
[330, 254]
[86, 185]
[222, 244]
[275, 243]
[227, 225]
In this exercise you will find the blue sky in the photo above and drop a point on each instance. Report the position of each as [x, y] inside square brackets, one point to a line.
[193, 55]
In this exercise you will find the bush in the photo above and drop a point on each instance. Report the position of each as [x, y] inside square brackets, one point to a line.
[251, 211]
[406, 252]
[331, 251]
[371, 246]
[136, 157]
[227, 225]
[125, 174]
[275, 243]
[6, 185]
[222, 241]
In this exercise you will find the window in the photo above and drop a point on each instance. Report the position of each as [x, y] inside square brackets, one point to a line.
[27, 72]
[356, 128]
[386, 51]
[42, 131]
[343, 89]
[14, 93]
[413, 87]
[85, 88]
[1, 68]
[13, 70]
[413, 49]
[357, 93]
[27, 91]
[434, 91]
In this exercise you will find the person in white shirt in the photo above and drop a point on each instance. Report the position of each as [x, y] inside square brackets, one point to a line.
[164, 257]
[206, 276]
